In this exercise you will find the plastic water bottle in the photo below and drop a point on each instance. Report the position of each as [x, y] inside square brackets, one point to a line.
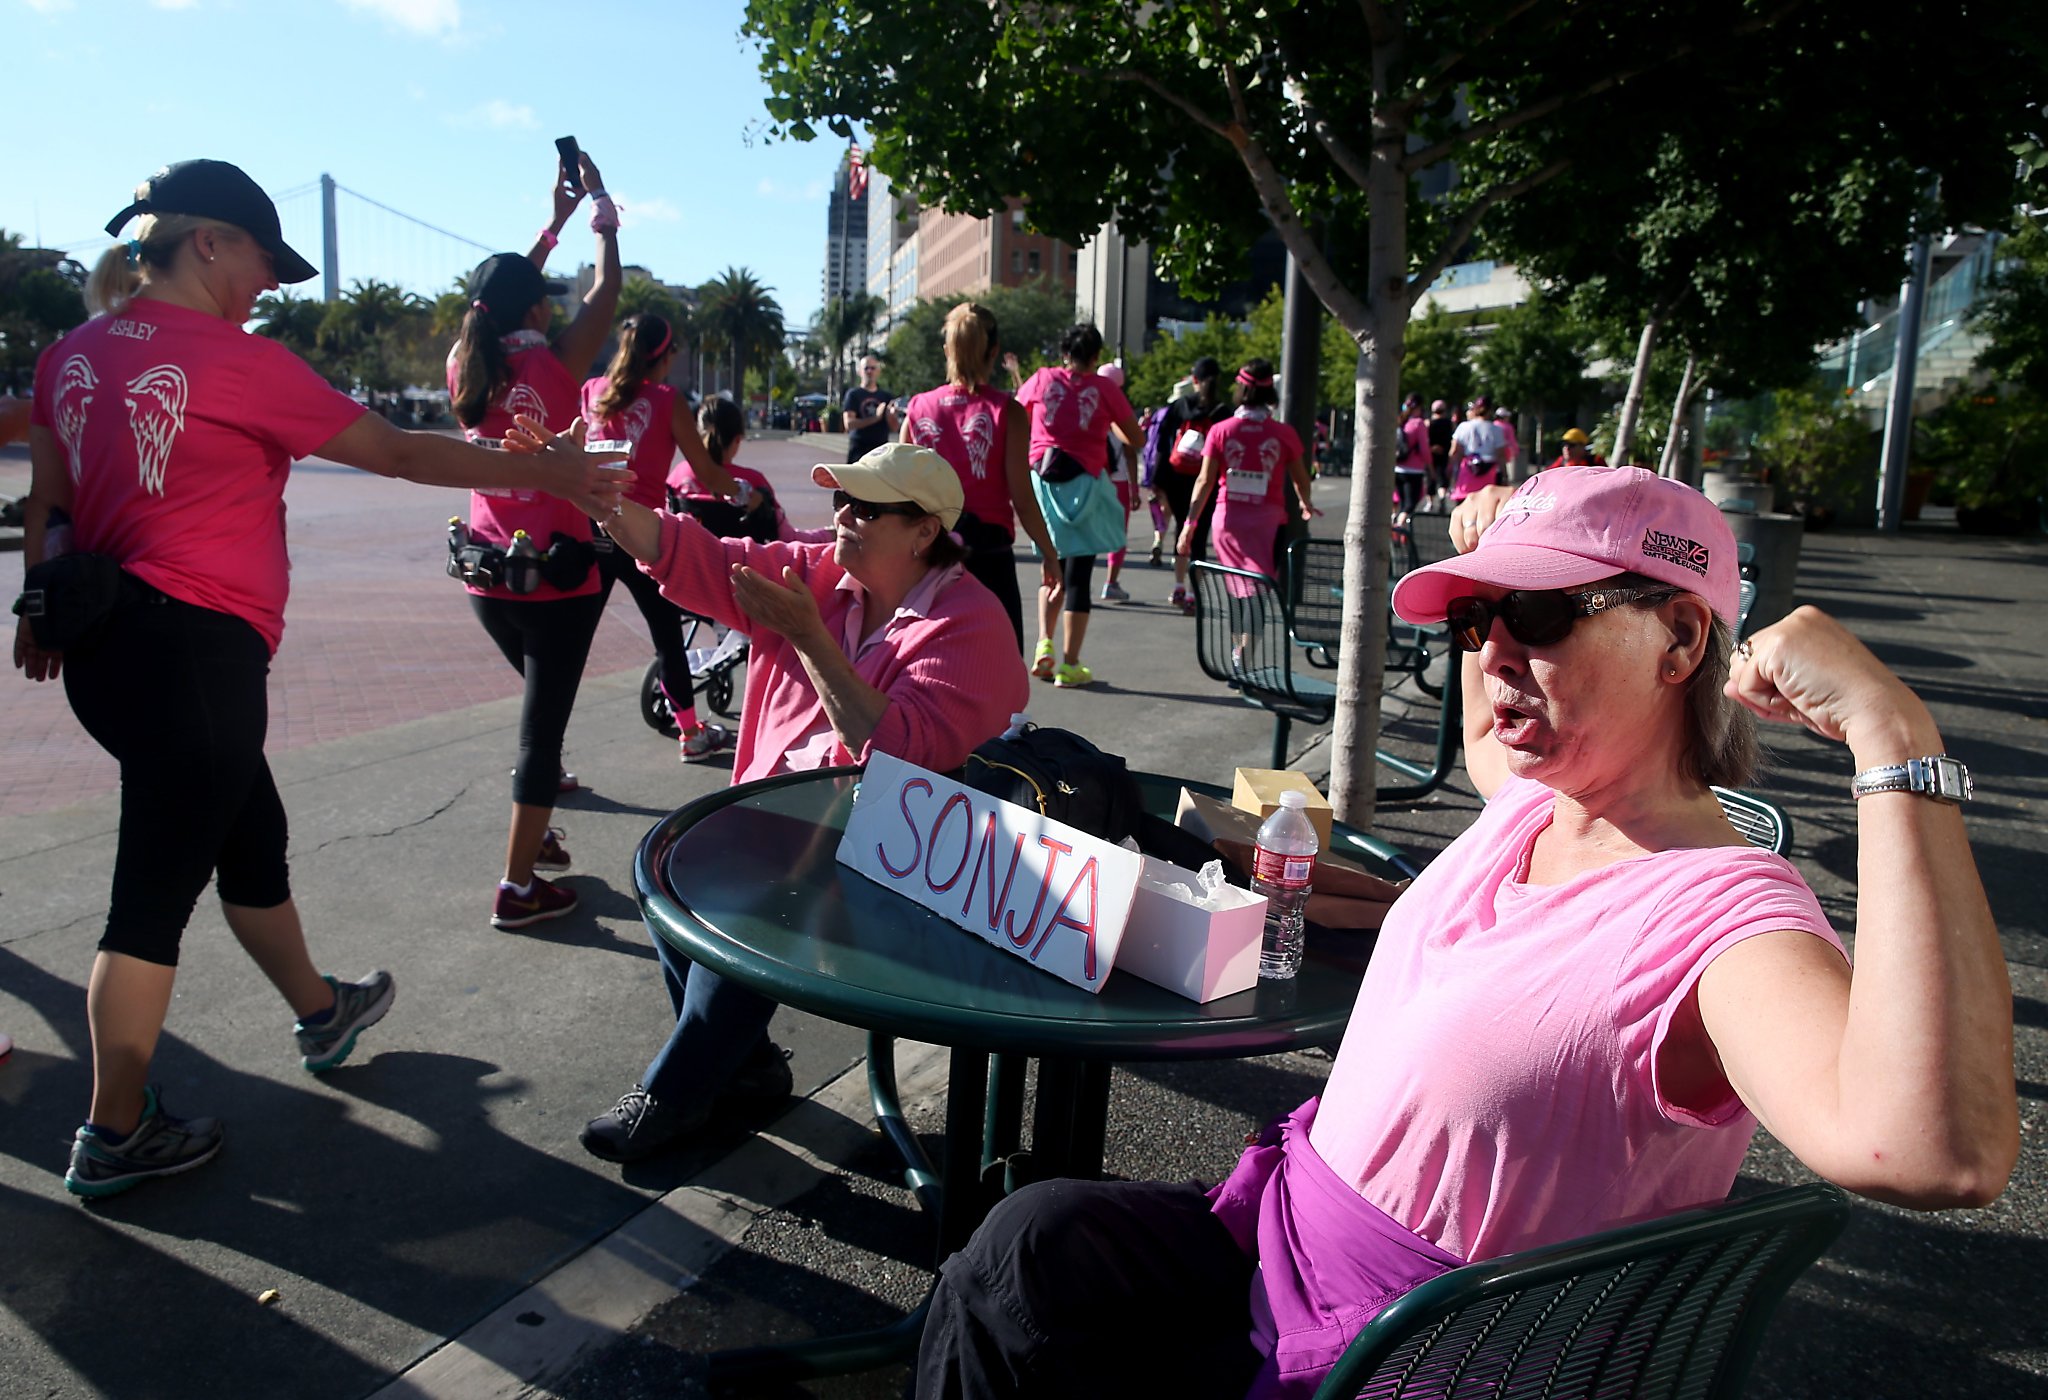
[1281, 869]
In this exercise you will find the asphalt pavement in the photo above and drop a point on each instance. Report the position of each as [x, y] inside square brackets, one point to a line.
[424, 1215]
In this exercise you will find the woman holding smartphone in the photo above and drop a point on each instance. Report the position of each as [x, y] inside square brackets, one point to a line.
[163, 435]
[505, 366]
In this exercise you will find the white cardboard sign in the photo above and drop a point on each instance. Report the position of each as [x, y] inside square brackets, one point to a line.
[1054, 896]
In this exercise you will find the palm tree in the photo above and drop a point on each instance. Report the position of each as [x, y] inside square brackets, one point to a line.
[743, 313]
[843, 325]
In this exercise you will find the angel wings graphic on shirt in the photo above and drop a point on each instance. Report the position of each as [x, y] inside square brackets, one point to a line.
[524, 398]
[1270, 452]
[156, 402]
[75, 385]
[1233, 454]
[980, 433]
[1091, 399]
[638, 418]
[1055, 398]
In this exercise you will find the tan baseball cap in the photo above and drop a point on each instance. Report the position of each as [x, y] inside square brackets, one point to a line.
[899, 471]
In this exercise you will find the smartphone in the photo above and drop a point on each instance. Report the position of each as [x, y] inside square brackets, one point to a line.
[565, 147]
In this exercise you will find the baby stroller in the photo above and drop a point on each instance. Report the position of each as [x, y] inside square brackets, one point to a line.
[713, 660]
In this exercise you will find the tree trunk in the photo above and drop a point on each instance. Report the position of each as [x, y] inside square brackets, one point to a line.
[1632, 406]
[1668, 464]
[1354, 739]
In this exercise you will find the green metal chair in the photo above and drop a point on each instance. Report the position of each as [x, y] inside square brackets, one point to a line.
[1668, 1308]
[1761, 823]
[1261, 668]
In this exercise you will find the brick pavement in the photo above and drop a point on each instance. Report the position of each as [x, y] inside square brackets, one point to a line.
[375, 633]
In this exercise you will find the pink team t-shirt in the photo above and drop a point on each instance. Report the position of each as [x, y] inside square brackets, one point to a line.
[1253, 451]
[969, 431]
[541, 387]
[647, 423]
[1498, 1082]
[1074, 411]
[1414, 446]
[178, 430]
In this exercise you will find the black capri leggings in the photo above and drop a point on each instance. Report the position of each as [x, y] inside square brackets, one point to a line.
[176, 693]
[992, 558]
[547, 643]
[1076, 571]
[1179, 490]
[664, 621]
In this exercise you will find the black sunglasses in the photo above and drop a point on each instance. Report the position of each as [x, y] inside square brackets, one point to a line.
[1537, 617]
[870, 511]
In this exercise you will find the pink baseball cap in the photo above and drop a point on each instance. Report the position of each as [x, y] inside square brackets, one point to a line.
[1578, 525]
[1114, 373]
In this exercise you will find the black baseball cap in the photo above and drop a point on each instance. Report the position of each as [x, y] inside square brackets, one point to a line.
[506, 285]
[214, 189]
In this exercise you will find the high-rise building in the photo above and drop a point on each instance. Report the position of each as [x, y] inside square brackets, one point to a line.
[846, 231]
[960, 254]
[892, 250]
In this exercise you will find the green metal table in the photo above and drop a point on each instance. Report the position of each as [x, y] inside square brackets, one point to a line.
[747, 884]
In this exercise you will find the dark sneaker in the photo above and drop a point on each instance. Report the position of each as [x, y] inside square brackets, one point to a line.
[160, 1146]
[543, 901]
[357, 1007]
[554, 856]
[638, 1126]
[763, 1078]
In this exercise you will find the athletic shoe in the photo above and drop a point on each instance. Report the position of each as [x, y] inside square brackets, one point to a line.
[1071, 675]
[554, 856]
[357, 1007]
[160, 1146]
[1156, 557]
[705, 740]
[543, 901]
[1042, 665]
[762, 1079]
[1115, 593]
[638, 1126]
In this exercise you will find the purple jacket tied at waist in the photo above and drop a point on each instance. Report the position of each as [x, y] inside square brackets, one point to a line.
[1328, 1260]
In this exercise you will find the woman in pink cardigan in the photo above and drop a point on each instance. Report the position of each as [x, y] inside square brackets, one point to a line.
[876, 639]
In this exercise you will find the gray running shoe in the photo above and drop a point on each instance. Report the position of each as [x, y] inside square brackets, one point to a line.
[639, 1126]
[160, 1146]
[763, 1078]
[357, 1007]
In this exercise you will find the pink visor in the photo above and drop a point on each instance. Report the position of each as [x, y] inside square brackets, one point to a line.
[1572, 526]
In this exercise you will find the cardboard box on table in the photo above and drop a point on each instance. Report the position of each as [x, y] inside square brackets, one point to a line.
[1258, 790]
[1064, 901]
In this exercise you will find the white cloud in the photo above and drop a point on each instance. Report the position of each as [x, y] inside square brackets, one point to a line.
[428, 17]
[648, 211]
[497, 114]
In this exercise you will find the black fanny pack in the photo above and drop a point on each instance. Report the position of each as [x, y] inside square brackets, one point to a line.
[1056, 465]
[565, 566]
[67, 600]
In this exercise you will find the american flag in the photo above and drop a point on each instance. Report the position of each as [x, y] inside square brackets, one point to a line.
[856, 171]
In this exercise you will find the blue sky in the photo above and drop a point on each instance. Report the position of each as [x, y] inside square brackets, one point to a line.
[445, 109]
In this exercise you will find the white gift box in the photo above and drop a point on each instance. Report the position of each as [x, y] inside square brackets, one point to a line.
[1177, 944]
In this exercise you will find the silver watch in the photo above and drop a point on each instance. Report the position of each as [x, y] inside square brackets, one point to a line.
[1937, 776]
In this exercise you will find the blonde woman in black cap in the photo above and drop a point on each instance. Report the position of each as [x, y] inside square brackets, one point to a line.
[160, 442]
[505, 367]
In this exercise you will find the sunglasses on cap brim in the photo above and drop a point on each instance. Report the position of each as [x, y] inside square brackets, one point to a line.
[870, 511]
[1537, 617]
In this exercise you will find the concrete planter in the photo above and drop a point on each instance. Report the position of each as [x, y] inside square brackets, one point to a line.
[1720, 488]
[1776, 541]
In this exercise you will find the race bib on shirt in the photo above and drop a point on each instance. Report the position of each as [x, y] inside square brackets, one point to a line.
[1245, 484]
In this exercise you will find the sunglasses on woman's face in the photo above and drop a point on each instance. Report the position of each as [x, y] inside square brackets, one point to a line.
[869, 511]
[1536, 617]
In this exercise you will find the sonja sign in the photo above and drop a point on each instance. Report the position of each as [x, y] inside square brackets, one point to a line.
[1052, 895]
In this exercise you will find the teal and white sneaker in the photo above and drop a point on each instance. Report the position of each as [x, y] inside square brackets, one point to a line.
[357, 1007]
[160, 1146]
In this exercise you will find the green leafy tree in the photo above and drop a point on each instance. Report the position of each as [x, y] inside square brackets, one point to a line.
[1815, 442]
[40, 299]
[1324, 115]
[915, 353]
[843, 328]
[1149, 382]
[1534, 358]
[1437, 358]
[2013, 315]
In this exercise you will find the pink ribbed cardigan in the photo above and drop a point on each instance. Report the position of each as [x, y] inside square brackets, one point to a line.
[952, 675]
